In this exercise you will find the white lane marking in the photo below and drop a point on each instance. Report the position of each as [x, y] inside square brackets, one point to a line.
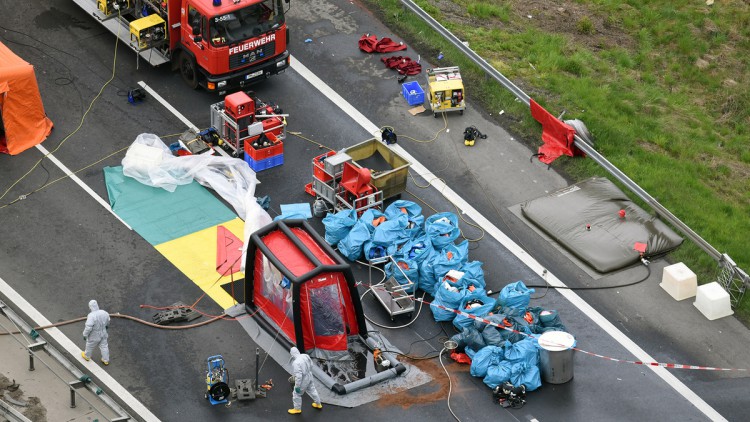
[168, 106]
[80, 183]
[132, 404]
[527, 259]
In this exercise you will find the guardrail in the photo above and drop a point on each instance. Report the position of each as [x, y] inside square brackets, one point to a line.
[733, 278]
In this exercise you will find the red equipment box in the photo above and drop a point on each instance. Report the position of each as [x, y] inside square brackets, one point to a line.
[319, 167]
[239, 105]
[276, 148]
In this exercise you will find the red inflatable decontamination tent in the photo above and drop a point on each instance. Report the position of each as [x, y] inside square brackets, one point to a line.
[298, 283]
[23, 122]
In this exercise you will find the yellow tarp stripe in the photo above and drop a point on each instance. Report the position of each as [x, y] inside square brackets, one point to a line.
[195, 255]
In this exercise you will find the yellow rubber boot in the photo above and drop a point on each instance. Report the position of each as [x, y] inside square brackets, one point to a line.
[83, 355]
[317, 405]
[106, 363]
[294, 411]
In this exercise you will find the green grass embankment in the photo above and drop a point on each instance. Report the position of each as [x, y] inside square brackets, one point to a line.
[663, 87]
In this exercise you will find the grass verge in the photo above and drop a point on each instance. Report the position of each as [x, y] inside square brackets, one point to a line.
[663, 86]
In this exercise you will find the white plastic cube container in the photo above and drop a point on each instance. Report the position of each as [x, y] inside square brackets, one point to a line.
[713, 301]
[679, 281]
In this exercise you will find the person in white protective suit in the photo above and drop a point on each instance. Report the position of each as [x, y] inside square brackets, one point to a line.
[303, 381]
[95, 333]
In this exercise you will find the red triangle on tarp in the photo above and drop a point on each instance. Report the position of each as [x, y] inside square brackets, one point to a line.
[228, 251]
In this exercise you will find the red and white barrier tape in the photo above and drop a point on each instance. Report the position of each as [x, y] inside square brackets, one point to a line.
[632, 362]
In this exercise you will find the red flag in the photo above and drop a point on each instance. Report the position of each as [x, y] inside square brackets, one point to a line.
[557, 136]
[228, 252]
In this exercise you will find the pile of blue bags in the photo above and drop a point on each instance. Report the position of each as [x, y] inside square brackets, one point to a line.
[425, 253]
[503, 343]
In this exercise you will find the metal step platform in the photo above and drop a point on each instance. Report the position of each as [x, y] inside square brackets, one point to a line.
[121, 27]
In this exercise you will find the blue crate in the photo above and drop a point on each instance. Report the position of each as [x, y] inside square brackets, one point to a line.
[413, 93]
[264, 164]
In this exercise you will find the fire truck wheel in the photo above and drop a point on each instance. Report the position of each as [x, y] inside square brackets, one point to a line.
[188, 71]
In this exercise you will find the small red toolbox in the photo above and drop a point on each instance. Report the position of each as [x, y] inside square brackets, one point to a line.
[273, 125]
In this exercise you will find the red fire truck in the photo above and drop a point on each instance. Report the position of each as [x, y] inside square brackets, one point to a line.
[221, 45]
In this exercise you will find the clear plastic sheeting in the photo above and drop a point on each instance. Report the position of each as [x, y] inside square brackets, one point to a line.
[326, 310]
[600, 225]
[151, 162]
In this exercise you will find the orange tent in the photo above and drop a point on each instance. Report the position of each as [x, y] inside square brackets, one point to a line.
[23, 122]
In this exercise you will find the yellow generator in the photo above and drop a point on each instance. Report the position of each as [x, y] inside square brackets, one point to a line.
[147, 32]
[109, 7]
[446, 90]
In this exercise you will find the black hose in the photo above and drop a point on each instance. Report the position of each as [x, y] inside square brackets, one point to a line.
[645, 263]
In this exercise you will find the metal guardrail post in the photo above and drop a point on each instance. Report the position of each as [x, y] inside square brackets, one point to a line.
[741, 277]
[33, 348]
[73, 386]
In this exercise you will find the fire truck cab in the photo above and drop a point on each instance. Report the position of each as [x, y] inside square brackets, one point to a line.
[227, 46]
[221, 45]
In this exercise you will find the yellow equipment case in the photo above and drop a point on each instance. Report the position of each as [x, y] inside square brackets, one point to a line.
[148, 31]
[446, 90]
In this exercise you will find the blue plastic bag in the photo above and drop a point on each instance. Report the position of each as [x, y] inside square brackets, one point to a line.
[469, 340]
[409, 269]
[550, 321]
[392, 231]
[413, 212]
[497, 374]
[473, 270]
[461, 321]
[498, 335]
[515, 295]
[525, 350]
[373, 251]
[442, 229]
[417, 249]
[452, 257]
[368, 217]
[484, 358]
[397, 208]
[528, 375]
[450, 296]
[351, 245]
[338, 225]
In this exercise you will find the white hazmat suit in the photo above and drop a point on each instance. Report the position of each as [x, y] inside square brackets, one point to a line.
[95, 332]
[303, 380]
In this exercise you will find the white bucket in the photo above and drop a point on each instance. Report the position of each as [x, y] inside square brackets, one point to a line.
[556, 356]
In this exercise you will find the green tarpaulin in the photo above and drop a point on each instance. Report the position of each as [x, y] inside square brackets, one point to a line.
[160, 216]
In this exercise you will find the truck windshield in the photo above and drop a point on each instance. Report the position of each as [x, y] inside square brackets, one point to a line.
[245, 23]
